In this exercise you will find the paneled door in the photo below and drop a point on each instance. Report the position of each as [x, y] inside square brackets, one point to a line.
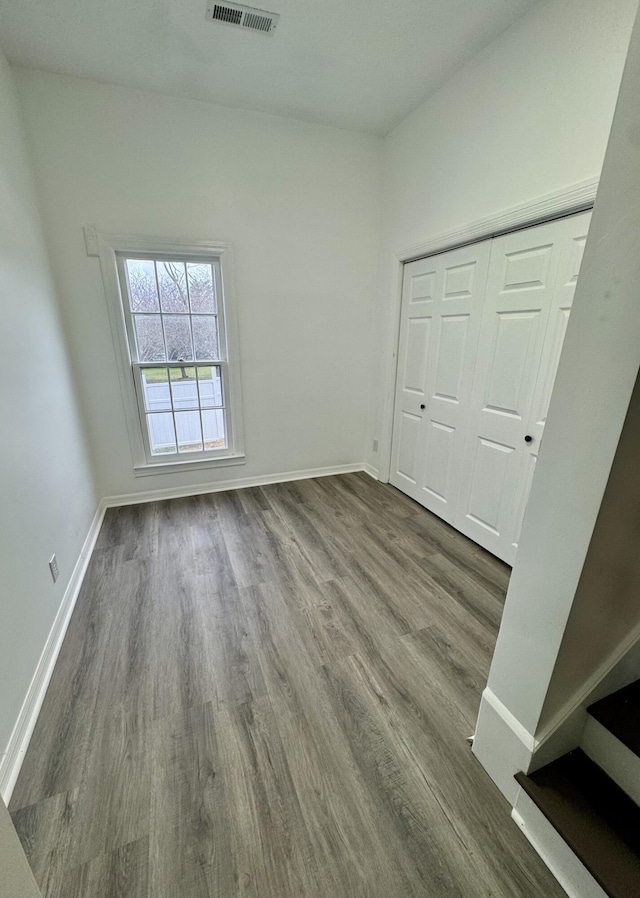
[529, 291]
[439, 327]
[571, 236]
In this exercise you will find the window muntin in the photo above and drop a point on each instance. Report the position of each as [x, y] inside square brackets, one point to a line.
[174, 315]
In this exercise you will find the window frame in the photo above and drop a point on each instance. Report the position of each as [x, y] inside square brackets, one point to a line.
[112, 250]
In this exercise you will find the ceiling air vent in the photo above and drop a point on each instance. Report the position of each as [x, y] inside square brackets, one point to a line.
[243, 16]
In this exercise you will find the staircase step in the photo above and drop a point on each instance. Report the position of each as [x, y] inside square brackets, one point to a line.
[608, 752]
[598, 821]
[620, 714]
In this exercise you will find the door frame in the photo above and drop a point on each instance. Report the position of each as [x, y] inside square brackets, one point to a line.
[568, 201]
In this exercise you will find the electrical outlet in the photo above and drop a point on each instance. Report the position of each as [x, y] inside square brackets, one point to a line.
[53, 567]
[375, 445]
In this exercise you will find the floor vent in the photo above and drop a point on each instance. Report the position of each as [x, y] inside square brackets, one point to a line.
[243, 17]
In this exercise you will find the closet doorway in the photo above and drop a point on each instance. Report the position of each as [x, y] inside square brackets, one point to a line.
[481, 333]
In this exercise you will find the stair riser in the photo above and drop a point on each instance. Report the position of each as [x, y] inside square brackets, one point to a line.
[617, 761]
[570, 872]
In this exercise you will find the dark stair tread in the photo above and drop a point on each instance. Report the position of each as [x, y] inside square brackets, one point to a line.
[620, 714]
[598, 821]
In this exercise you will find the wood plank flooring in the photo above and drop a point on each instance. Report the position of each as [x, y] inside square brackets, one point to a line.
[266, 693]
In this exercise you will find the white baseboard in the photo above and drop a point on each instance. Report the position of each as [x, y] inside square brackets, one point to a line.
[11, 761]
[238, 483]
[371, 471]
[502, 744]
[570, 872]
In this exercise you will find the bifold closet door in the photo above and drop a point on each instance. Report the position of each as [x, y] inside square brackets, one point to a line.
[529, 292]
[571, 239]
[439, 327]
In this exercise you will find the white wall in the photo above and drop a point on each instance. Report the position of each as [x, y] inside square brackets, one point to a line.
[605, 614]
[300, 203]
[527, 116]
[48, 499]
[594, 385]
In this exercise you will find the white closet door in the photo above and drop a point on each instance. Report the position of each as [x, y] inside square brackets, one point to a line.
[440, 320]
[571, 236]
[518, 353]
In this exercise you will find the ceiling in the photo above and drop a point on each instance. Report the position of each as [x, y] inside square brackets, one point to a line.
[360, 64]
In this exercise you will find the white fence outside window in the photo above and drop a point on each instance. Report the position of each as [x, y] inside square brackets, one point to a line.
[185, 400]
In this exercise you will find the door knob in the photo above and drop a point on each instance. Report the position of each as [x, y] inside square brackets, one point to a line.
[422, 405]
[528, 439]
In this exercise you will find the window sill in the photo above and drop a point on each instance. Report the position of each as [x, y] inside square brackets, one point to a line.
[174, 467]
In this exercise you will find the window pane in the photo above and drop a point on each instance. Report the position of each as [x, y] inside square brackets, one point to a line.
[149, 338]
[143, 290]
[184, 388]
[162, 436]
[189, 431]
[177, 334]
[171, 309]
[210, 383]
[205, 337]
[214, 430]
[155, 386]
[173, 286]
[201, 287]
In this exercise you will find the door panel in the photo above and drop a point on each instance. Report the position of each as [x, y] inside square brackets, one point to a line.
[532, 275]
[571, 236]
[530, 461]
[451, 356]
[440, 319]
[492, 468]
[520, 282]
[409, 440]
[440, 450]
[418, 295]
[514, 338]
[422, 286]
[415, 368]
[527, 269]
[556, 330]
[459, 280]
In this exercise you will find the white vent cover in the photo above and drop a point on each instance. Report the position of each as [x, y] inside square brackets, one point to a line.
[242, 16]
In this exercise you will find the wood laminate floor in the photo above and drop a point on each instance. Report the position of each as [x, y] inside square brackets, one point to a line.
[267, 693]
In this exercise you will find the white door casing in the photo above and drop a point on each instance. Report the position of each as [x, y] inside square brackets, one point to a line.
[438, 336]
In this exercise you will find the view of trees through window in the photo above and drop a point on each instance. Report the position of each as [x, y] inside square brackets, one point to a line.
[174, 310]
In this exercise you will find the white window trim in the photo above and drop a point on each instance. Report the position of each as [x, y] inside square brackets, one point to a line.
[107, 247]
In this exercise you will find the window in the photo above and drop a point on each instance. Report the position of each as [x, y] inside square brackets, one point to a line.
[173, 326]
